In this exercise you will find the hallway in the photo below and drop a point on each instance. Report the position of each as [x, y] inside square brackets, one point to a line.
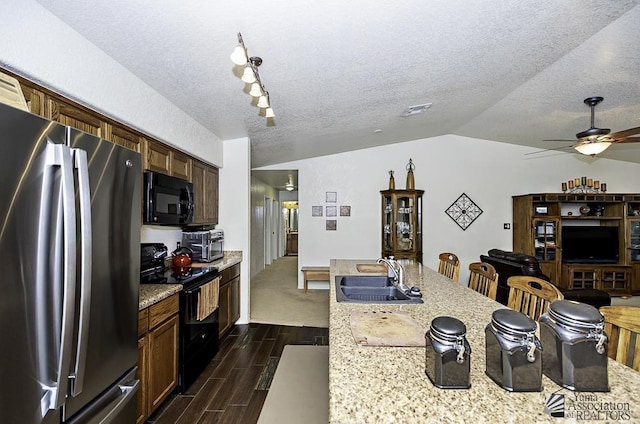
[275, 298]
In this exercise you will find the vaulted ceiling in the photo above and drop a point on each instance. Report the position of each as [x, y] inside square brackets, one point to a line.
[340, 73]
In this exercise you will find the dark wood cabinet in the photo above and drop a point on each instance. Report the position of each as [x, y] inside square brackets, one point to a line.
[538, 222]
[124, 137]
[180, 165]
[402, 224]
[292, 244]
[612, 279]
[156, 156]
[229, 299]
[157, 355]
[70, 114]
[205, 193]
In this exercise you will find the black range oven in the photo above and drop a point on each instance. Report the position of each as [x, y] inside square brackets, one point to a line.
[198, 339]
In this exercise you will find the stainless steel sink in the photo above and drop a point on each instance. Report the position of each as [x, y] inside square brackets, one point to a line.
[370, 289]
[364, 281]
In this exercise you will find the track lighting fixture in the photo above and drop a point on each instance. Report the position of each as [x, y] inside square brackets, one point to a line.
[251, 76]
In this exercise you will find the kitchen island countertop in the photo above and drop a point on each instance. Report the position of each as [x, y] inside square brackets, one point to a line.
[388, 384]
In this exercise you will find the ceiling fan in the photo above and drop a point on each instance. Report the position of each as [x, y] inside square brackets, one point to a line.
[596, 140]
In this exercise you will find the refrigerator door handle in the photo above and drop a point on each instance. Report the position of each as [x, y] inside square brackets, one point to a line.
[128, 391]
[59, 155]
[84, 195]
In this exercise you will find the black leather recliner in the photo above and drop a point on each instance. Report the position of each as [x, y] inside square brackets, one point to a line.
[508, 264]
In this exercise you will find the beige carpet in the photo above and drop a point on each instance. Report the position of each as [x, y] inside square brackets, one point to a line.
[275, 298]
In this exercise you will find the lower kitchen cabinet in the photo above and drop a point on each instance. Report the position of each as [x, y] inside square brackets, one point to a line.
[157, 355]
[229, 307]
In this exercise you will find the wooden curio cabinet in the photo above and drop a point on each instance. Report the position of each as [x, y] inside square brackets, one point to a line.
[402, 224]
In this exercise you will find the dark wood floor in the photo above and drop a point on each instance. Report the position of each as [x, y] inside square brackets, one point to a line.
[234, 386]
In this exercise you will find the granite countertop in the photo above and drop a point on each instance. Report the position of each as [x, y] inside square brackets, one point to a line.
[388, 384]
[154, 293]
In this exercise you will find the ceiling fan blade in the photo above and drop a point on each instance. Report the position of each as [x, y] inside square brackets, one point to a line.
[628, 140]
[625, 133]
[547, 150]
[559, 139]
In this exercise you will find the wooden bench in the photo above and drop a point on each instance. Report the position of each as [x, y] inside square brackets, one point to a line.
[299, 392]
[314, 273]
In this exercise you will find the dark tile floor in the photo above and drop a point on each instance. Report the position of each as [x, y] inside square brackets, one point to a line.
[234, 386]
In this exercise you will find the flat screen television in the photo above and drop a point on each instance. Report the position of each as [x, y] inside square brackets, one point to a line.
[590, 244]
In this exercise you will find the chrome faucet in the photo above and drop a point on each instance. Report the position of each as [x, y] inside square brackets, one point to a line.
[395, 271]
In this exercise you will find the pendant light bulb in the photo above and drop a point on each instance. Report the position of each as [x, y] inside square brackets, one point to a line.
[263, 102]
[239, 56]
[248, 75]
[255, 91]
[269, 113]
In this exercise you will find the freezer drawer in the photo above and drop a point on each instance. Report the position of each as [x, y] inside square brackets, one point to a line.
[117, 405]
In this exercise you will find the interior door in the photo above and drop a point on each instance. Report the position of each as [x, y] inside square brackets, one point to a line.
[268, 221]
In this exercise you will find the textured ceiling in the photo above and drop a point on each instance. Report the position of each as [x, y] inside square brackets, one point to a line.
[510, 71]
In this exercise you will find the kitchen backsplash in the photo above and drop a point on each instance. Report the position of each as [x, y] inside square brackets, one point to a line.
[170, 236]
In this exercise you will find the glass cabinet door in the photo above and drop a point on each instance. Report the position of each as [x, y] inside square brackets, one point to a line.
[545, 238]
[404, 223]
[634, 240]
[387, 222]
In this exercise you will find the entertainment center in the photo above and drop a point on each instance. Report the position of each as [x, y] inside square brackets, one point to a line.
[582, 240]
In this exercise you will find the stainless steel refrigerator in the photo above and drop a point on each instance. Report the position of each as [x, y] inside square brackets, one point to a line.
[70, 260]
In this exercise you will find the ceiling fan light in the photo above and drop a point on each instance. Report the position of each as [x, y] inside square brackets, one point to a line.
[269, 113]
[289, 187]
[239, 56]
[248, 76]
[255, 91]
[263, 102]
[592, 148]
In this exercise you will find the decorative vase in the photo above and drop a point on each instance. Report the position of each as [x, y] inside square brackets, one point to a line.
[584, 210]
[392, 181]
[411, 183]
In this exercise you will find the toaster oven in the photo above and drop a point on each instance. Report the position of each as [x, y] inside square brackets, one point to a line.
[207, 245]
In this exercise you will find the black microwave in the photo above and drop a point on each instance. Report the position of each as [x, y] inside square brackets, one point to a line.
[167, 200]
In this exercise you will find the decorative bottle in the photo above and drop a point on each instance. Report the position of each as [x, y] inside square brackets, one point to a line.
[411, 183]
[392, 181]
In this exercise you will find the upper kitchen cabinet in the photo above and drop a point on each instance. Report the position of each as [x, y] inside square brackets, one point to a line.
[124, 137]
[156, 157]
[35, 98]
[180, 165]
[161, 158]
[74, 116]
[205, 193]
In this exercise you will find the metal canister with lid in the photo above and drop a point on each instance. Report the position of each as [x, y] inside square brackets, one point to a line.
[448, 354]
[575, 346]
[513, 352]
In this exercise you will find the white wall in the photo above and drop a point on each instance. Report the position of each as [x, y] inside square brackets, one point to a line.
[259, 190]
[35, 44]
[488, 172]
[235, 209]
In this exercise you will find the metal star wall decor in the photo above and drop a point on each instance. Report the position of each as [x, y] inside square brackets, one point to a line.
[464, 211]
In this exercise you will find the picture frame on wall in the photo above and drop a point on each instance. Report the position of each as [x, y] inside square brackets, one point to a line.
[331, 225]
[331, 197]
[316, 210]
[331, 211]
